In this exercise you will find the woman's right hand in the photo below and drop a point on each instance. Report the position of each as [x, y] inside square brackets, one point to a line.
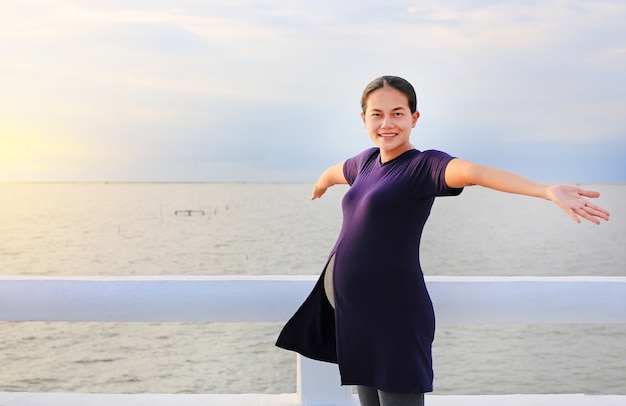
[331, 176]
[318, 191]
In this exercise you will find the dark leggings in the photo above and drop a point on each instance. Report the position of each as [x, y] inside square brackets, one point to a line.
[369, 396]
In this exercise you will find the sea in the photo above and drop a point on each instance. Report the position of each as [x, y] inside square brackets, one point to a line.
[60, 229]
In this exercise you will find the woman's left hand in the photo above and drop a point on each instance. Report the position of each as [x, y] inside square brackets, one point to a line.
[572, 199]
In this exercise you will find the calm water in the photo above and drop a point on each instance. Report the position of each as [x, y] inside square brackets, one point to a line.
[132, 229]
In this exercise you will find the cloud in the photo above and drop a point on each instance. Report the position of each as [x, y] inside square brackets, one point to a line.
[234, 89]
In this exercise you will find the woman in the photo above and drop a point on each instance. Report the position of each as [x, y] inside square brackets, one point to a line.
[370, 311]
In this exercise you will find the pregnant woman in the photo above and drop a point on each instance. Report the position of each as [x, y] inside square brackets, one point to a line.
[370, 311]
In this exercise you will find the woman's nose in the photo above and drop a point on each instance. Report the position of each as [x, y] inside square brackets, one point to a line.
[387, 122]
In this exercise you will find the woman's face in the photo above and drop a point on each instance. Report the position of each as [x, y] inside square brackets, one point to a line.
[388, 121]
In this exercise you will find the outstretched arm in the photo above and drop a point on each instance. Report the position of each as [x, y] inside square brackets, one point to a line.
[331, 176]
[461, 173]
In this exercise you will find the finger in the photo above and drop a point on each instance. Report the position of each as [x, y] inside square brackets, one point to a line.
[584, 215]
[589, 193]
[584, 212]
[572, 214]
[315, 194]
[596, 211]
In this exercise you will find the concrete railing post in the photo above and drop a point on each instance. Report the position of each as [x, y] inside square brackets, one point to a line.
[319, 384]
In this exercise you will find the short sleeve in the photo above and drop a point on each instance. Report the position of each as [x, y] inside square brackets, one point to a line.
[435, 163]
[352, 166]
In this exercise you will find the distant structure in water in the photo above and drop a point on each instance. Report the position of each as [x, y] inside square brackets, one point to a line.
[189, 213]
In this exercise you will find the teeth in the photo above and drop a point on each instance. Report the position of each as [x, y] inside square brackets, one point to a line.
[387, 135]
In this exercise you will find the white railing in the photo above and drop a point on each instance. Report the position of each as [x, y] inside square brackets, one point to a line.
[275, 298]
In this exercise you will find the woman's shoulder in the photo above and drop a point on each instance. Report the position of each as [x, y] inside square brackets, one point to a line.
[431, 161]
[433, 155]
[432, 152]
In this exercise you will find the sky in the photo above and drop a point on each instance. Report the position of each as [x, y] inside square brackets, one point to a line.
[269, 91]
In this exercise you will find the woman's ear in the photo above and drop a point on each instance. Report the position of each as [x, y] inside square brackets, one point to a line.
[416, 115]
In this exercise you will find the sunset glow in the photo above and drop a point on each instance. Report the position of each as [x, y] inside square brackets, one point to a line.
[26, 150]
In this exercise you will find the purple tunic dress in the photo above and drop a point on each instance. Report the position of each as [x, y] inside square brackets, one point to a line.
[381, 330]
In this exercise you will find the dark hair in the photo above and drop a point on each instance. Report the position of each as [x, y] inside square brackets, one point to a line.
[402, 85]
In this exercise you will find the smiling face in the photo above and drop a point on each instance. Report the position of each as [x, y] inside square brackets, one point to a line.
[389, 121]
